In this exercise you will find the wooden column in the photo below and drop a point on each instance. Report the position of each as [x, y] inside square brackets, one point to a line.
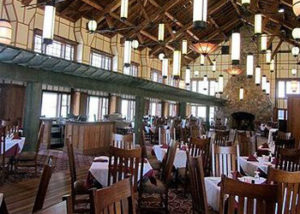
[138, 119]
[182, 110]
[165, 109]
[118, 104]
[33, 103]
[293, 117]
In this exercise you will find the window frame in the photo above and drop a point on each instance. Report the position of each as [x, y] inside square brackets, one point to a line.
[96, 51]
[100, 115]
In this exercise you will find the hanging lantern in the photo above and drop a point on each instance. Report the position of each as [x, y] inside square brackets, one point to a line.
[196, 73]
[272, 66]
[161, 32]
[258, 24]
[296, 7]
[295, 51]
[205, 82]
[135, 44]
[268, 56]
[257, 75]
[92, 26]
[165, 68]
[268, 87]
[235, 48]
[49, 23]
[234, 71]
[296, 33]
[264, 83]
[161, 56]
[124, 9]
[214, 66]
[250, 65]
[176, 64]
[246, 3]
[127, 53]
[202, 59]
[220, 84]
[200, 14]
[264, 43]
[241, 93]
[187, 76]
[294, 86]
[204, 48]
[5, 32]
[294, 71]
[184, 47]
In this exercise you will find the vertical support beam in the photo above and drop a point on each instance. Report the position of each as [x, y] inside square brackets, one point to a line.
[182, 110]
[207, 116]
[138, 119]
[33, 103]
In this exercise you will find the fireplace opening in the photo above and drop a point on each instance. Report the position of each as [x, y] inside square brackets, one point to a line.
[243, 121]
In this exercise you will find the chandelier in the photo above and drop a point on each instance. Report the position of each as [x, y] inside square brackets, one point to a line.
[204, 48]
[234, 71]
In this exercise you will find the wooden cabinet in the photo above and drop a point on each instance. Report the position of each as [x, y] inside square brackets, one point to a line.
[90, 138]
[294, 117]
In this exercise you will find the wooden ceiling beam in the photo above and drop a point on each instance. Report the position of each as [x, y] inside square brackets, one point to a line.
[143, 10]
[108, 9]
[217, 27]
[93, 4]
[276, 49]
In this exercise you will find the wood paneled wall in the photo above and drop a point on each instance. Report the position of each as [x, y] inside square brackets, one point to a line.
[12, 99]
[293, 117]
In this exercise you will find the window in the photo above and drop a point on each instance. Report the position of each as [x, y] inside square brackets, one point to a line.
[97, 108]
[156, 76]
[211, 115]
[57, 48]
[172, 110]
[55, 104]
[101, 60]
[285, 87]
[201, 87]
[132, 70]
[128, 109]
[155, 109]
[199, 111]
[281, 89]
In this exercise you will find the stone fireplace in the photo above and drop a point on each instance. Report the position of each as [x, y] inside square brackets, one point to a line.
[242, 121]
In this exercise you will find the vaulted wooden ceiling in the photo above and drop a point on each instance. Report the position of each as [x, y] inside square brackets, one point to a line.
[145, 15]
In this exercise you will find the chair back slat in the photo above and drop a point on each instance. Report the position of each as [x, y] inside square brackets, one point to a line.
[123, 162]
[115, 199]
[288, 159]
[222, 137]
[43, 186]
[282, 143]
[247, 198]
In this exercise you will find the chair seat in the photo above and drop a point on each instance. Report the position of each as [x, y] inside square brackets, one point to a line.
[150, 188]
[80, 187]
[27, 156]
[156, 164]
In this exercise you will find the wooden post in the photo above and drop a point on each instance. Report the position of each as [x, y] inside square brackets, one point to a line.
[33, 103]
[138, 119]
[182, 110]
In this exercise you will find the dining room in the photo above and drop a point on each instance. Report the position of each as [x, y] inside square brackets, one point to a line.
[149, 106]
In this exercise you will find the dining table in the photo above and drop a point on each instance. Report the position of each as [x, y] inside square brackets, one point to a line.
[251, 166]
[13, 146]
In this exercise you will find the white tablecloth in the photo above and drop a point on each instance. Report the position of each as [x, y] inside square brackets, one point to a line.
[180, 157]
[99, 170]
[10, 143]
[249, 167]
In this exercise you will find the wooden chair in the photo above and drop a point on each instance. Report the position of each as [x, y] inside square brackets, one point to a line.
[247, 144]
[115, 199]
[222, 138]
[225, 160]
[162, 185]
[253, 198]
[198, 191]
[283, 135]
[155, 164]
[289, 183]
[288, 159]
[123, 162]
[78, 187]
[29, 159]
[288, 144]
[2, 153]
[163, 135]
[123, 141]
[43, 186]
[195, 132]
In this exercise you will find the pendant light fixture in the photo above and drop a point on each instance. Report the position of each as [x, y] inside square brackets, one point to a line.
[246, 3]
[257, 75]
[214, 66]
[294, 71]
[263, 42]
[187, 75]
[205, 82]
[92, 26]
[250, 65]
[264, 83]
[296, 7]
[184, 47]
[200, 14]
[196, 73]
[161, 32]
[295, 51]
[294, 86]
[220, 84]
[165, 68]
[49, 22]
[272, 66]
[268, 56]
[258, 24]
[296, 33]
[127, 53]
[241, 93]
[235, 48]
[202, 59]
[161, 56]
[5, 32]
[268, 87]
[176, 64]
[135, 44]
[124, 9]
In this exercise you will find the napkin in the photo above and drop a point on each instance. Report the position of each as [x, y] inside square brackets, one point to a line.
[274, 161]
[252, 158]
[165, 146]
[265, 146]
[100, 160]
